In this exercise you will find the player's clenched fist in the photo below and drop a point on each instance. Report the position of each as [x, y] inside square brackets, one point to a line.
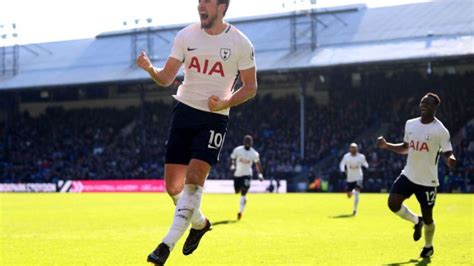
[144, 62]
[451, 161]
[217, 104]
[381, 142]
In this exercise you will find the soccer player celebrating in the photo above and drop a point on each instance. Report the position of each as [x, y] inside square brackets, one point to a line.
[425, 139]
[213, 53]
[352, 163]
[243, 157]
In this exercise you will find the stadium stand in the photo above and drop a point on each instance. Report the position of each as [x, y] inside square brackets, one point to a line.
[108, 143]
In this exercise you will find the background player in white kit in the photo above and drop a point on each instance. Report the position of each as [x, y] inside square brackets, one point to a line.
[425, 139]
[352, 163]
[214, 53]
[243, 157]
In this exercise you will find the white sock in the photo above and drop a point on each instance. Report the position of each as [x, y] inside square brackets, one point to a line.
[243, 201]
[176, 197]
[186, 206]
[429, 233]
[356, 200]
[198, 221]
[406, 214]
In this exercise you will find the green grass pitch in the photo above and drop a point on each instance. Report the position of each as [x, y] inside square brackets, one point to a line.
[277, 229]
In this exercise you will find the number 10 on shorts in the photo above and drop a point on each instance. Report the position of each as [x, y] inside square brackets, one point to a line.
[215, 140]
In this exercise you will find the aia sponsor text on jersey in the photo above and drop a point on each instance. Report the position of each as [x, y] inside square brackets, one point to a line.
[244, 161]
[206, 68]
[419, 146]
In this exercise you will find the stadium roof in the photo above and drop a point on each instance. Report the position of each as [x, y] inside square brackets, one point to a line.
[345, 35]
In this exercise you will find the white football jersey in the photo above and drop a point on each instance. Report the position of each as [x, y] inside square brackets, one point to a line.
[354, 166]
[425, 141]
[211, 63]
[244, 159]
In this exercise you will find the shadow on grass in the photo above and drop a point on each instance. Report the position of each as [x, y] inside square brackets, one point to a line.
[341, 216]
[417, 262]
[224, 222]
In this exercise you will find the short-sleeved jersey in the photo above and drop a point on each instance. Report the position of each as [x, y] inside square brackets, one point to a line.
[425, 142]
[211, 63]
[244, 159]
[354, 166]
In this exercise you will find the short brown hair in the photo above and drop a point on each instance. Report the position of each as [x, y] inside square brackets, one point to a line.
[226, 2]
[435, 97]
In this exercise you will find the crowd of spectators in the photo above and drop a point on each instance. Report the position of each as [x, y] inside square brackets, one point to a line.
[107, 143]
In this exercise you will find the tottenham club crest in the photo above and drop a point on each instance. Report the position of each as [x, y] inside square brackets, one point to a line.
[428, 137]
[225, 53]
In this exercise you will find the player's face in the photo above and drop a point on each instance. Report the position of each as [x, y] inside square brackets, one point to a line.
[428, 106]
[208, 13]
[248, 143]
[353, 150]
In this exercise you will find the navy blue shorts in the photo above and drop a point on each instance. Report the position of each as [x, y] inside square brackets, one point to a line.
[195, 134]
[242, 184]
[355, 184]
[426, 196]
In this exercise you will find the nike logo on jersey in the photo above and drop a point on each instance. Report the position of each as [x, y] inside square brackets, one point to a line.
[185, 209]
[191, 49]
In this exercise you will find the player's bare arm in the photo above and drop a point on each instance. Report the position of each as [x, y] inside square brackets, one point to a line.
[450, 159]
[245, 93]
[163, 77]
[259, 168]
[400, 148]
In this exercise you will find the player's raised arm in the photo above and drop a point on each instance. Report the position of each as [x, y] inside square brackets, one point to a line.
[163, 77]
[400, 148]
[245, 93]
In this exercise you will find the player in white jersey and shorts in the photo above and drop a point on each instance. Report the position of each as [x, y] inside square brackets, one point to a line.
[243, 157]
[214, 54]
[424, 141]
[352, 163]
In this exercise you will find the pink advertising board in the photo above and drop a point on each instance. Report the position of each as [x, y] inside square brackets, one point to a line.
[117, 186]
